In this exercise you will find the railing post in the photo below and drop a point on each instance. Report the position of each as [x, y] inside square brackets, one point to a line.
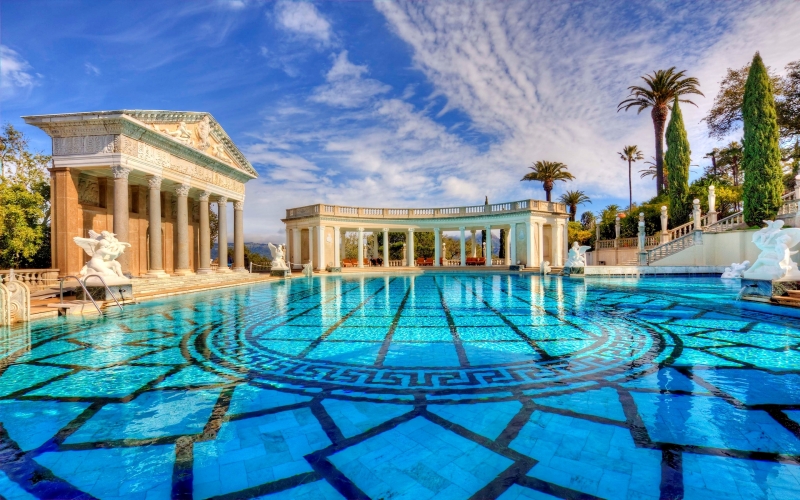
[712, 205]
[797, 187]
[642, 252]
[698, 231]
[664, 230]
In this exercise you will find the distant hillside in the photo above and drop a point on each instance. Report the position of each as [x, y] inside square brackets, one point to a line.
[259, 248]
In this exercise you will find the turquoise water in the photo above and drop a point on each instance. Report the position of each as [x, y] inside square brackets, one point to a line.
[434, 386]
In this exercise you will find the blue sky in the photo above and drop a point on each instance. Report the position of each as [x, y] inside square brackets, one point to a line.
[424, 103]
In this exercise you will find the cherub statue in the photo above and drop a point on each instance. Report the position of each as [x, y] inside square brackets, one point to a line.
[545, 267]
[775, 260]
[576, 257]
[278, 256]
[103, 249]
[736, 270]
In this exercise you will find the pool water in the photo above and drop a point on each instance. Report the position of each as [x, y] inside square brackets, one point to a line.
[399, 386]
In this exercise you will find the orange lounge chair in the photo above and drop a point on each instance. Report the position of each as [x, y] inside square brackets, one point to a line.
[429, 262]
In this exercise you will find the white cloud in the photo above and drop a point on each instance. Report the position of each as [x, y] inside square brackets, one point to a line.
[303, 19]
[346, 88]
[91, 69]
[16, 74]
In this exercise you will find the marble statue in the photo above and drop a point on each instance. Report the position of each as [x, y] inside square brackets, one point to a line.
[577, 255]
[775, 260]
[278, 257]
[202, 131]
[736, 270]
[545, 267]
[308, 270]
[181, 134]
[218, 152]
[104, 249]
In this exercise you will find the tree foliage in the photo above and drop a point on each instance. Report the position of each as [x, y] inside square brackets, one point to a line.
[761, 158]
[677, 159]
[24, 203]
[660, 89]
[631, 154]
[572, 199]
[725, 116]
[548, 172]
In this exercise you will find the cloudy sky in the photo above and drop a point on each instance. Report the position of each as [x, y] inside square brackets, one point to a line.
[423, 103]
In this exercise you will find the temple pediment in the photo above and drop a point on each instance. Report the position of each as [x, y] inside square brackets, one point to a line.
[194, 136]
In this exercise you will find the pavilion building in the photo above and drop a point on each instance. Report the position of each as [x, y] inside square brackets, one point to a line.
[537, 231]
[131, 171]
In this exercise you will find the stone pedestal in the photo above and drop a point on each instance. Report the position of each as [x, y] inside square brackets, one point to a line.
[573, 272]
[123, 291]
[334, 269]
[766, 289]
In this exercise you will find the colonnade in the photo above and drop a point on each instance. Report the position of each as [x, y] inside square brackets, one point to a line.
[532, 235]
[155, 266]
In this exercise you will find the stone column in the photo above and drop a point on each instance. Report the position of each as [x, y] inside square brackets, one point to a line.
[297, 251]
[488, 243]
[437, 247]
[411, 262]
[508, 241]
[474, 244]
[310, 246]
[156, 268]
[361, 247]
[641, 241]
[555, 244]
[696, 214]
[321, 264]
[337, 236]
[512, 242]
[121, 212]
[341, 243]
[238, 237]
[386, 247]
[531, 250]
[204, 262]
[182, 231]
[539, 242]
[222, 234]
[463, 247]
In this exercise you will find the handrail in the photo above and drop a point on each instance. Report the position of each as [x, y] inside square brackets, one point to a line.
[670, 247]
[426, 212]
[724, 224]
[104, 284]
[61, 286]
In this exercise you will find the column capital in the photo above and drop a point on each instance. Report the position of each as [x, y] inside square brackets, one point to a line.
[204, 196]
[386, 230]
[182, 189]
[336, 228]
[238, 205]
[411, 230]
[361, 230]
[222, 199]
[120, 172]
[436, 229]
[154, 181]
[488, 227]
[462, 228]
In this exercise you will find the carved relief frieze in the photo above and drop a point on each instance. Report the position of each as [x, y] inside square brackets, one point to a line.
[88, 191]
[92, 144]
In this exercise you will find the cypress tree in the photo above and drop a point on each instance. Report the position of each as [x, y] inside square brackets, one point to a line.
[677, 159]
[761, 159]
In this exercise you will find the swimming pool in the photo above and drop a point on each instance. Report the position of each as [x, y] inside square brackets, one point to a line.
[401, 386]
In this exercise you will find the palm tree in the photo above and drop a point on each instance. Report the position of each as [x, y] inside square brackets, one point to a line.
[572, 199]
[630, 154]
[661, 88]
[548, 172]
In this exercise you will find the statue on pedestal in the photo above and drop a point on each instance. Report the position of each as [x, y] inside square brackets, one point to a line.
[775, 260]
[577, 255]
[278, 256]
[104, 249]
[545, 267]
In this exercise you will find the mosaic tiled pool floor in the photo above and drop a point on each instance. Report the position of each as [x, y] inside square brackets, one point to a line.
[433, 386]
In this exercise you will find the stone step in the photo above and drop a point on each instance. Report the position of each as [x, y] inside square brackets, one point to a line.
[794, 293]
[793, 301]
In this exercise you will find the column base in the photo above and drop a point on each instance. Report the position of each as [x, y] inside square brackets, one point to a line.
[239, 270]
[156, 273]
[206, 270]
[183, 272]
[225, 269]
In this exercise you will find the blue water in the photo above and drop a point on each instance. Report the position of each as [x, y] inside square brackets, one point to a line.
[431, 386]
